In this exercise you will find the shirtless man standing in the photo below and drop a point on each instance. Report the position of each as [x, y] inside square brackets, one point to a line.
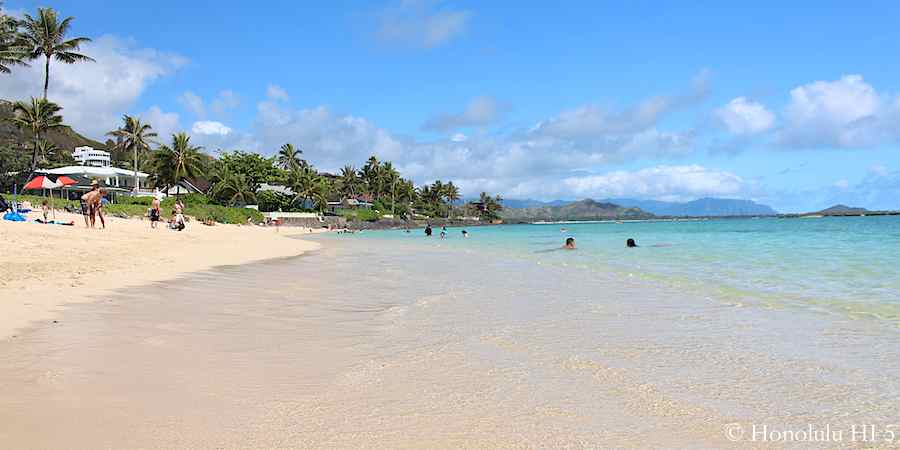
[93, 201]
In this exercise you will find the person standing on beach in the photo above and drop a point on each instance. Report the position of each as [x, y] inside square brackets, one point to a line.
[85, 206]
[155, 212]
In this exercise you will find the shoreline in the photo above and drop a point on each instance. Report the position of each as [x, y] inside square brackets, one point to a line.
[45, 267]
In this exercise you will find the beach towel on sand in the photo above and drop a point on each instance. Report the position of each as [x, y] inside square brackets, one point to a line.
[13, 217]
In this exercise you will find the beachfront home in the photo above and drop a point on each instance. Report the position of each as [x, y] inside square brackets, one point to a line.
[89, 156]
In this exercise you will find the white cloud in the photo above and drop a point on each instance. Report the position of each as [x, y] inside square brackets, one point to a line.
[193, 103]
[221, 104]
[459, 137]
[224, 101]
[745, 117]
[94, 95]
[878, 170]
[164, 124]
[420, 23]
[845, 113]
[674, 183]
[842, 183]
[481, 111]
[210, 127]
[275, 92]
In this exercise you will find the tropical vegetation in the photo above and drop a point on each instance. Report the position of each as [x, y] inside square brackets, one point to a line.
[235, 178]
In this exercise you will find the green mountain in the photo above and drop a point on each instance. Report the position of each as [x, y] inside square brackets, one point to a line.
[580, 210]
[12, 137]
[843, 210]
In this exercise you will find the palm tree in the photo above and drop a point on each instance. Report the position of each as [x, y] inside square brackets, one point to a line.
[233, 189]
[349, 180]
[37, 117]
[178, 161]
[46, 149]
[451, 193]
[490, 207]
[135, 136]
[308, 186]
[11, 51]
[45, 35]
[370, 176]
[289, 157]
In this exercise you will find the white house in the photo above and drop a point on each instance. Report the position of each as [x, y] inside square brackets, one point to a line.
[89, 156]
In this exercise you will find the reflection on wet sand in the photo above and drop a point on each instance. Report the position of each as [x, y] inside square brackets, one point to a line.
[368, 344]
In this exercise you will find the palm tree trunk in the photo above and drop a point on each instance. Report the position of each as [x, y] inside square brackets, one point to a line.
[34, 153]
[46, 75]
[135, 171]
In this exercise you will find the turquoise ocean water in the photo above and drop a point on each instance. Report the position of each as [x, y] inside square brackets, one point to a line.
[848, 265]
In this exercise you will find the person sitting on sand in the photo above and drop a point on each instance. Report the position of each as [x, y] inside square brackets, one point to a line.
[177, 221]
[570, 244]
[630, 243]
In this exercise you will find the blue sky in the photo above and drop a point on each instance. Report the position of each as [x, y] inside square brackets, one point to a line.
[792, 105]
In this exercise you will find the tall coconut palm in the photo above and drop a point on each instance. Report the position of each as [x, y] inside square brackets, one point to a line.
[172, 163]
[348, 181]
[451, 193]
[45, 35]
[11, 49]
[135, 136]
[289, 157]
[37, 117]
[370, 173]
[308, 186]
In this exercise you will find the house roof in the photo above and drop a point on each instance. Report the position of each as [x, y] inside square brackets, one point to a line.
[276, 188]
[91, 171]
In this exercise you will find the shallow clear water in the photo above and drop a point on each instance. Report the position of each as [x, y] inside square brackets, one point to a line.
[846, 264]
[392, 340]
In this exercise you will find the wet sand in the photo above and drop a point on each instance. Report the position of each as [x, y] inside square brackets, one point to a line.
[363, 344]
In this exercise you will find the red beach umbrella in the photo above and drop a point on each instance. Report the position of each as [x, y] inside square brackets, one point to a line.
[49, 182]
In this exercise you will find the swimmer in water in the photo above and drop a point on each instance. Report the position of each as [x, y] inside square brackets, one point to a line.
[570, 244]
[630, 243]
[465, 233]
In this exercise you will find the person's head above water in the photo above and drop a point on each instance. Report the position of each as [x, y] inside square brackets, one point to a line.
[570, 243]
[630, 243]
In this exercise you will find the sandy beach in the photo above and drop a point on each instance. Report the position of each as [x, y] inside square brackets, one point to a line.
[44, 267]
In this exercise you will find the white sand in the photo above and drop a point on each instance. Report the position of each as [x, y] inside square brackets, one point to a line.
[43, 267]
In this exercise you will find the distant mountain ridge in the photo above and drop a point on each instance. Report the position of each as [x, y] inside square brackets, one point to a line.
[64, 138]
[580, 210]
[703, 207]
[841, 210]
